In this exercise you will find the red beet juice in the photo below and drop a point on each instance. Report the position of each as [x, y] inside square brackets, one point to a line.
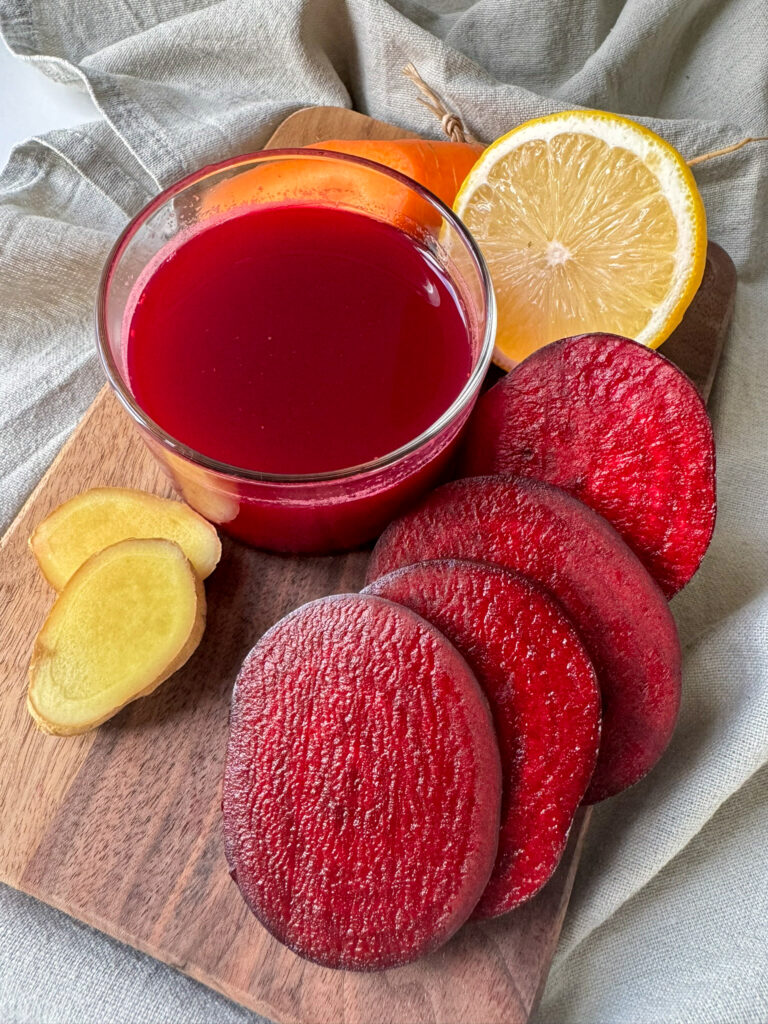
[297, 340]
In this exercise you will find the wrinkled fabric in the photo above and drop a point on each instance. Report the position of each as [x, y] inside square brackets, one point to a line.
[669, 916]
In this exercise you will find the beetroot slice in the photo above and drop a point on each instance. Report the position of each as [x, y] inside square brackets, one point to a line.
[617, 608]
[362, 786]
[621, 428]
[544, 699]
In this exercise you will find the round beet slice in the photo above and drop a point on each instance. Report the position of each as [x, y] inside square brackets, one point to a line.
[544, 699]
[621, 428]
[575, 554]
[362, 786]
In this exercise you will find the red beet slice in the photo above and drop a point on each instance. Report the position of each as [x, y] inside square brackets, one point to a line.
[617, 608]
[621, 428]
[544, 699]
[362, 787]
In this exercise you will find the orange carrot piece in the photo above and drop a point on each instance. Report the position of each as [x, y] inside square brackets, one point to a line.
[439, 166]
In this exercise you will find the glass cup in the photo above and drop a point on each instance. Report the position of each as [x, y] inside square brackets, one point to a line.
[310, 512]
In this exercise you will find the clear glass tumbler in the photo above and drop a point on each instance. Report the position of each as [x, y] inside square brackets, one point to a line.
[317, 512]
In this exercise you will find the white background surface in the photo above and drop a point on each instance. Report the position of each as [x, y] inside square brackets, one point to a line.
[31, 103]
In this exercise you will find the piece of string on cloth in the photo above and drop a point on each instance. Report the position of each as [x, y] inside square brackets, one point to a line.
[451, 123]
[453, 126]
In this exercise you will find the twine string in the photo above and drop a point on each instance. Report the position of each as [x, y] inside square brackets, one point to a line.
[726, 149]
[454, 128]
[451, 123]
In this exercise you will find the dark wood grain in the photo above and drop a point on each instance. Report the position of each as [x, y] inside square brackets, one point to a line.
[697, 343]
[121, 827]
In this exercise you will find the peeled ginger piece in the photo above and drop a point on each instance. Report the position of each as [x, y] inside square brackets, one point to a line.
[103, 516]
[128, 618]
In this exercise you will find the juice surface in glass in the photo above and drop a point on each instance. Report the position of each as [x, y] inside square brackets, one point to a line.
[297, 340]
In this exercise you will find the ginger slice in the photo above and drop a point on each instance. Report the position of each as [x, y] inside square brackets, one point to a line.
[128, 618]
[95, 519]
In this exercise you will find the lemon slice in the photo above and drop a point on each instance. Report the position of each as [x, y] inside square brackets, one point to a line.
[589, 223]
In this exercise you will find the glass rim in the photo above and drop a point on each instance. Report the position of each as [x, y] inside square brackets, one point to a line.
[115, 378]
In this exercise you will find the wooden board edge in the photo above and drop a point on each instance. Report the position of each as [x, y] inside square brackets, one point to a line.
[370, 127]
[238, 996]
[577, 848]
[21, 516]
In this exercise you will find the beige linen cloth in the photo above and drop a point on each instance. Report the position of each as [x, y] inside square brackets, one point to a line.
[669, 916]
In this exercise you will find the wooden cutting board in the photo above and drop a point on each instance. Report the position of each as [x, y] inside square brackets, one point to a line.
[121, 827]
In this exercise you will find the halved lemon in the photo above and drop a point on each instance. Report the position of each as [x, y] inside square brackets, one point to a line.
[589, 223]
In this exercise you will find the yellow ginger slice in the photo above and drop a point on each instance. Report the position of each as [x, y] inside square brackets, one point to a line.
[95, 519]
[128, 618]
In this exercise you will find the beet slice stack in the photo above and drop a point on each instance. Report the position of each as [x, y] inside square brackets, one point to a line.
[362, 785]
[618, 610]
[621, 428]
[544, 699]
